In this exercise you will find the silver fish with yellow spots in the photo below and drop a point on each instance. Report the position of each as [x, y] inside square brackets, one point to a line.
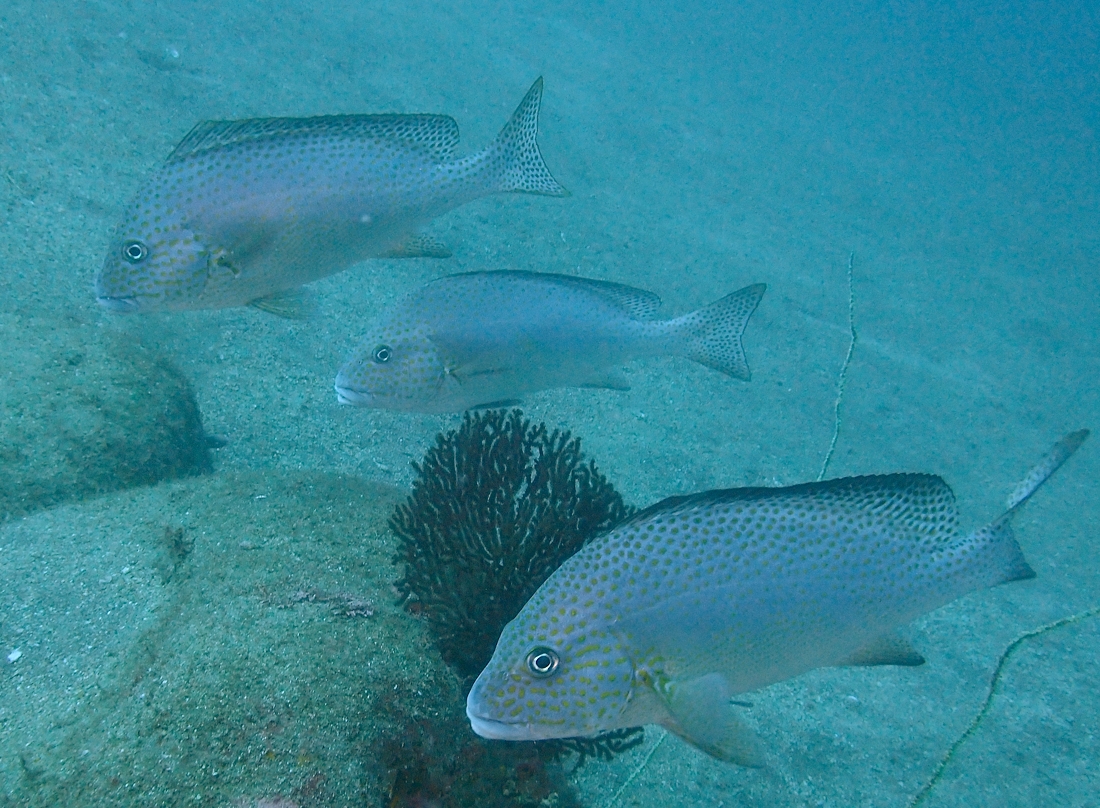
[703, 597]
[245, 212]
[484, 338]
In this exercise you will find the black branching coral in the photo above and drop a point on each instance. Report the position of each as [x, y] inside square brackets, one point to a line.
[498, 505]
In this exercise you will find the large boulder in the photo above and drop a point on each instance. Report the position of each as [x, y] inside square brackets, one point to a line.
[228, 640]
[86, 411]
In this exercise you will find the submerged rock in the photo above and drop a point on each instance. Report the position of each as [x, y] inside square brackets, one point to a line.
[86, 412]
[227, 640]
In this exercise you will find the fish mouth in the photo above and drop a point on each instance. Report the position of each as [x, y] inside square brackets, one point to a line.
[500, 731]
[355, 398]
[503, 731]
[118, 304]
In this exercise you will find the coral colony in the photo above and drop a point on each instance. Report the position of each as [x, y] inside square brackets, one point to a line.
[497, 506]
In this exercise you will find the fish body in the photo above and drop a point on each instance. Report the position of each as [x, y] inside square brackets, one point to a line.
[481, 338]
[243, 212]
[702, 597]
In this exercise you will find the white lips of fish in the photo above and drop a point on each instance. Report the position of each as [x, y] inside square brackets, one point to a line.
[702, 597]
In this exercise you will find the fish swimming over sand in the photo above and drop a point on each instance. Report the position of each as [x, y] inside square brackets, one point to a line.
[245, 212]
[484, 338]
[702, 597]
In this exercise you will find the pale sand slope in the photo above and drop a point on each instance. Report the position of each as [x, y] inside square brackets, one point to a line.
[952, 156]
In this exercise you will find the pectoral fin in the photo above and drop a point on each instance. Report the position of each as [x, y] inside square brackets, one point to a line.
[888, 649]
[607, 380]
[702, 715]
[291, 305]
[419, 246]
[498, 405]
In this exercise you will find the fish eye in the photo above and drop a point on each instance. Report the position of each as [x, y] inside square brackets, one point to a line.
[543, 662]
[134, 251]
[382, 354]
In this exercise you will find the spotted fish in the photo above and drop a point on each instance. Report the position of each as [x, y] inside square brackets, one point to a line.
[245, 212]
[703, 597]
[487, 337]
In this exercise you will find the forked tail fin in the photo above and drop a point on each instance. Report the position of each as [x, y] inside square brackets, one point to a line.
[1061, 452]
[522, 169]
[712, 335]
[1006, 558]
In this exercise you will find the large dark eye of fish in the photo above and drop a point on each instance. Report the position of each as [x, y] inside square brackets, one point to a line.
[543, 662]
[382, 354]
[134, 251]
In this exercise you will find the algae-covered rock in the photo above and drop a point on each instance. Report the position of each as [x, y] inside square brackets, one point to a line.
[85, 412]
[218, 641]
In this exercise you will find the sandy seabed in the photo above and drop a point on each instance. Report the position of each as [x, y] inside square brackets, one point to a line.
[951, 155]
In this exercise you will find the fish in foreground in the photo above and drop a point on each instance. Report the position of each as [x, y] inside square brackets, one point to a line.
[245, 212]
[702, 597]
[485, 338]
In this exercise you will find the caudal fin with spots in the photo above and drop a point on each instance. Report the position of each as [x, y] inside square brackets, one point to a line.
[522, 169]
[1061, 452]
[996, 541]
[713, 333]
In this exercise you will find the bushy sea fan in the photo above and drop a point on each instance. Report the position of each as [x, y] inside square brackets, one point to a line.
[497, 506]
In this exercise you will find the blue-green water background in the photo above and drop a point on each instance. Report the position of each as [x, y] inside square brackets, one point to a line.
[951, 149]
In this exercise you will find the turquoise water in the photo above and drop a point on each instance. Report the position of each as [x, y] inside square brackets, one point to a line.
[951, 151]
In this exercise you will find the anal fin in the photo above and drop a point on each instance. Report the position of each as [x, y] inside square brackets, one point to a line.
[419, 246]
[888, 649]
[499, 404]
[294, 304]
[607, 379]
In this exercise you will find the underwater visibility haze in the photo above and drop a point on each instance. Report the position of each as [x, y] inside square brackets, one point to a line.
[219, 587]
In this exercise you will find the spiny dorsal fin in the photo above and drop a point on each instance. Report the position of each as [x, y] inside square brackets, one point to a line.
[436, 135]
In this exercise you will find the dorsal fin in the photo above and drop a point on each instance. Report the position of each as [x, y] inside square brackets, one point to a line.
[436, 135]
[923, 501]
[638, 304]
